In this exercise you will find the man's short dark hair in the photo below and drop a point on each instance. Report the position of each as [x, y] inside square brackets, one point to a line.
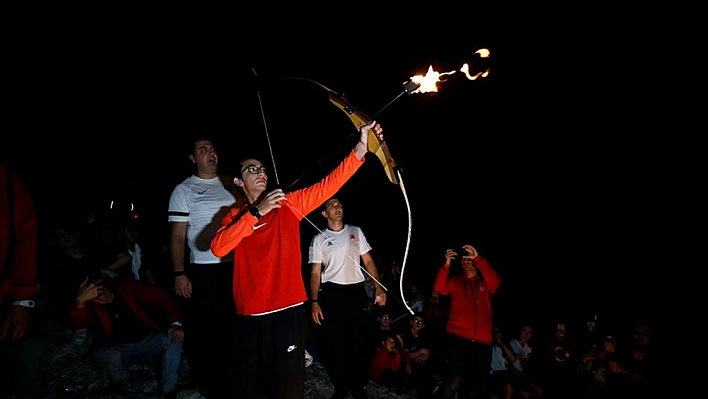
[234, 168]
[192, 141]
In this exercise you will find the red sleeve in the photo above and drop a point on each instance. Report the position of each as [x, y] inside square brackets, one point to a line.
[157, 298]
[441, 285]
[382, 360]
[491, 277]
[80, 317]
[22, 273]
[235, 226]
[308, 199]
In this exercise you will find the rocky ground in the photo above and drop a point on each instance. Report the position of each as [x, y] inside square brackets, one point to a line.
[67, 373]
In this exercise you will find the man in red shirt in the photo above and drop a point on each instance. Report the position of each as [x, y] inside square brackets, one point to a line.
[268, 285]
[470, 325]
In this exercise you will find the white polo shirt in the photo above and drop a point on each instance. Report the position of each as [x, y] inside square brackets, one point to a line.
[340, 254]
[202, 203]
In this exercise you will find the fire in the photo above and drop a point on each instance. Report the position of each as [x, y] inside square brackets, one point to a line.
[428, 83]
[466, 70]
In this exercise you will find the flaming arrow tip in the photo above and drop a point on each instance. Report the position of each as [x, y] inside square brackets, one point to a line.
[409, 86]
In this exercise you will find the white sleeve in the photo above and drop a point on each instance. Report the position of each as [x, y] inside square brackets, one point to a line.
[315, 255]
[364, 246]
[178, 210]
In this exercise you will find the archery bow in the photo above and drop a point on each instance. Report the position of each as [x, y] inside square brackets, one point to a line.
[375, 145]
[379, 148]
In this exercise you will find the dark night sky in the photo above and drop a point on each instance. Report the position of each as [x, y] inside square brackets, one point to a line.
[538, 165]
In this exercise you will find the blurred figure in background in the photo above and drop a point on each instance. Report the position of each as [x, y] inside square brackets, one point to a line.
[21, 349]
[632, 372]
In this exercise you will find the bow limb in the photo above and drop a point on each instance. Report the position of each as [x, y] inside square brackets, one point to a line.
[408, 240]
[379, 148]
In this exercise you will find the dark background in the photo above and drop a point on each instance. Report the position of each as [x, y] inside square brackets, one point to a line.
[545, 166]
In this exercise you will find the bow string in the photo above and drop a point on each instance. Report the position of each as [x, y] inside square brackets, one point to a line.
[378, 147]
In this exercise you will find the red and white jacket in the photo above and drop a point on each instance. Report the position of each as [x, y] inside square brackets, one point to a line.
[471, 315]
[20, 281]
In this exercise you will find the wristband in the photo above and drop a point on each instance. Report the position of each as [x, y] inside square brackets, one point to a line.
[176, 323]
[179, 273]
[314, 300]
[25, 304]
[254, 211]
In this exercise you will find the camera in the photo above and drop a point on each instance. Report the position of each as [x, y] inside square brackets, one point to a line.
[464, 252]
[95, 277]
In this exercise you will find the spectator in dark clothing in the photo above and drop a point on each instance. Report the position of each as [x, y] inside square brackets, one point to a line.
[632, 373]
[419, 349]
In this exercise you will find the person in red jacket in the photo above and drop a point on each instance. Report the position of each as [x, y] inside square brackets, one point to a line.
[470, 325]
[391, 366]
[129, 321]
[21, 348]
[268, 286]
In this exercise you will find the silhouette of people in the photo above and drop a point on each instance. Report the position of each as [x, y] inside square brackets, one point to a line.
[632, 371]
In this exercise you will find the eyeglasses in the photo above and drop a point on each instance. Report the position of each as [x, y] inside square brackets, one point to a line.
[385, 317]
[254, 170]
[418, 321]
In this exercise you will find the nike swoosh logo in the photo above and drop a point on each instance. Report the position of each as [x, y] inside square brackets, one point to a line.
[201, 192]
[291, 348]
[259, 226]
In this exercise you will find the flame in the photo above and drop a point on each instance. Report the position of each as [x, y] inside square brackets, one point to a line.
[466, 70]
[428, 83]
[483, 52]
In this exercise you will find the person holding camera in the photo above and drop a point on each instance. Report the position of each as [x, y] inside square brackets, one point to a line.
[470, 325]
[129, 321]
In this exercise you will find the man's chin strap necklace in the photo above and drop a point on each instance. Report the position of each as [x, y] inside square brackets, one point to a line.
[376, 146]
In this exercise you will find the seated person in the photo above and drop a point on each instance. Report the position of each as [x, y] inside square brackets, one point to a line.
[390, 367]
[129, 321]
[525, 384]
[376, 332]
[500, 385]
[138, 269]
[419, 349]
[592, 368]
[632, 372]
